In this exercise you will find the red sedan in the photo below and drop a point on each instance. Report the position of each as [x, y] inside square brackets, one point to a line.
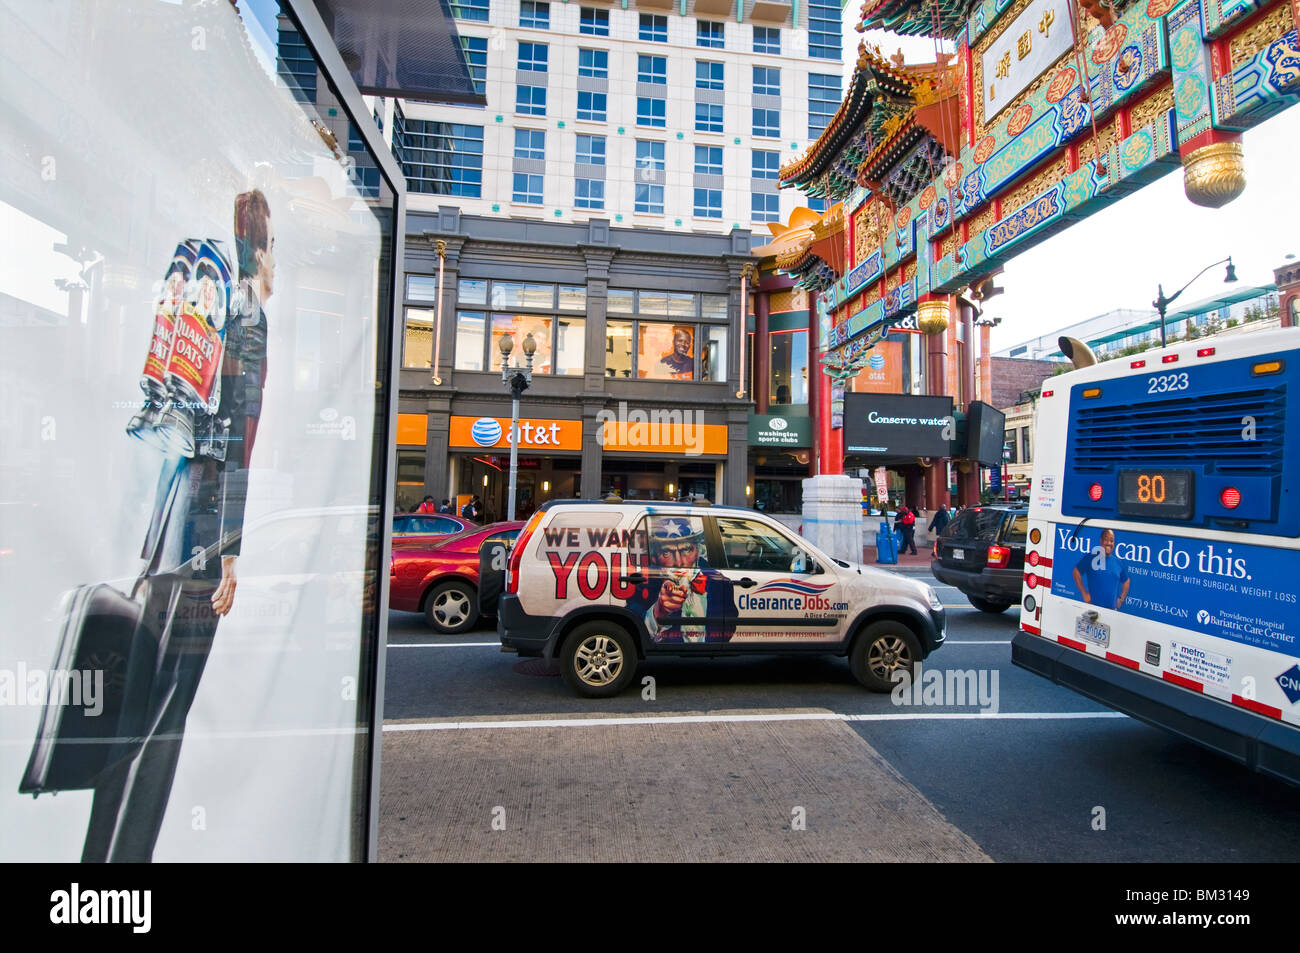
[439, 576]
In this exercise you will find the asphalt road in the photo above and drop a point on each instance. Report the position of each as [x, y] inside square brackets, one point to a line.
[1029, 782]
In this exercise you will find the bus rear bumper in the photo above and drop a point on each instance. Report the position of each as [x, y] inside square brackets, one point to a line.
[1257, 742]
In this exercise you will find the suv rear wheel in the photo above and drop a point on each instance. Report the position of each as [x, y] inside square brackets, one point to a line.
[880, 650]
[985, 605]
[598, 659]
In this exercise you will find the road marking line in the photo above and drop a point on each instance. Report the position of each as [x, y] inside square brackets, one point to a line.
[439, 645]
[978, 642]
[724, 719]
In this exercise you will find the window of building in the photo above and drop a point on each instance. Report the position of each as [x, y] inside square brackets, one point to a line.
[665, 341]
[709, 33]
[767, 122]
[767, 164]
[588, 193]
[559, 337]
[417, 350]
[591, 149]
[439, 158]
[652, 69]
[528, 189]
[651, 111]
[824, 36]
[823, 100]
[530, 144]
[421, 288]
[818, 205]
[1025, 455]
[766, 207]
[708, 160]
[708, 75]
[532, 56]
[708, 203]
[475, 48]
[531, 100]
[654, 28]
[593, 22]
[649, 198]
[470, 10]
[767, 81]
[788, 378]
[296, 66]
[593, 63]
[708, 117]
[535, 14]
[767, 39]
[592, 106]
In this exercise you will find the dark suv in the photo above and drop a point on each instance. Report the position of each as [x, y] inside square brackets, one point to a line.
[982, 553]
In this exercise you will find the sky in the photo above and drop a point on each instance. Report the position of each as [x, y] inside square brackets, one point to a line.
[1117, 257]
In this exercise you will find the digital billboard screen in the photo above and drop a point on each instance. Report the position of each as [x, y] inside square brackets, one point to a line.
[898, 425]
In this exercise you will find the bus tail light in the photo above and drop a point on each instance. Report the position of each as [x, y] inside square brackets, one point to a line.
[999, 556]
[1169, 359]
[1094, 492]
[1031, 581]
[1137, 363]
[1230, 497]
[1092, 392]
[1205, 352]
[1034, 558]
[517, 552]
[1267, 367]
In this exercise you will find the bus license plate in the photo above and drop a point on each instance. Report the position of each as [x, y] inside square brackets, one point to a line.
[1097, 632]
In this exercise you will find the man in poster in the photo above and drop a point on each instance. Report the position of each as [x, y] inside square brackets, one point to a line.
[680, 363]
[683, 587]
[198, 513]
[1102, 578]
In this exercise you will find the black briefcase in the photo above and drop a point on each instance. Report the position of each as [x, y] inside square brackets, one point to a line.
[110, 632]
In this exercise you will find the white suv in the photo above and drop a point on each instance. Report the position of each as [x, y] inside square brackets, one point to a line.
[602, 585]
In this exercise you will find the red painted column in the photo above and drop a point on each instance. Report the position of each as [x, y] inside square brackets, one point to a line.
[819, 400]
[762, 352]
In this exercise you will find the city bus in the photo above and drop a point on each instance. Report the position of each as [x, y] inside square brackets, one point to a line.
[1163, 554]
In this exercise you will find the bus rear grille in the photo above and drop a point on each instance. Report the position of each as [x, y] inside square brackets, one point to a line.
[1189, 430]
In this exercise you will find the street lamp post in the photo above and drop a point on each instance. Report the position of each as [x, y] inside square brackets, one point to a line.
[517, 379]
[1162, 302]
[1006, 472]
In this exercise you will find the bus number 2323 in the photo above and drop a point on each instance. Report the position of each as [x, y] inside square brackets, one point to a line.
[1166, 382]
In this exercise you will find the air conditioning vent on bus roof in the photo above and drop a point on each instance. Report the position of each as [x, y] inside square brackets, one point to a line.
[1184, 430]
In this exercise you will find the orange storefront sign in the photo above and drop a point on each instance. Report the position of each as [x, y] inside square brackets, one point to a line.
[488, 433]
[412, 430]
[655, 436]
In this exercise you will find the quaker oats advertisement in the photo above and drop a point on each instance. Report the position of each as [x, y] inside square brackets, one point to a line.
[189, 521]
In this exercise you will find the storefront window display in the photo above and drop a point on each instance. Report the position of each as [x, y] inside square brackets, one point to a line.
[789, 367]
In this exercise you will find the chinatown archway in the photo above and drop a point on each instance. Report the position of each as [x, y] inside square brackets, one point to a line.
[1048, 112]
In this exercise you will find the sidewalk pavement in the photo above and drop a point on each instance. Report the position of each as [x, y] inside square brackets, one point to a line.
[906, 561]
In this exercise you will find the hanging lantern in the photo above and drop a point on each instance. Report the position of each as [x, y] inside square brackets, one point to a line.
[932, 316]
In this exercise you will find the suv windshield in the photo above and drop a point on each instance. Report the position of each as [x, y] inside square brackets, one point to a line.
[976, 524]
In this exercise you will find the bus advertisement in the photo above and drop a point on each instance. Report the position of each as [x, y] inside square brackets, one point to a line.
[1164, 543]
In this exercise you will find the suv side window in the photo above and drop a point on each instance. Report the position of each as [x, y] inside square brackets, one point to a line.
[750, 546]
[1016, 529]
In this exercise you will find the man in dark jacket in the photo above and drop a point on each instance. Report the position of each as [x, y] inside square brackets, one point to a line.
[939, 522]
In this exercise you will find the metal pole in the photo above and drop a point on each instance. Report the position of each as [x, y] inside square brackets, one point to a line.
[514, 455]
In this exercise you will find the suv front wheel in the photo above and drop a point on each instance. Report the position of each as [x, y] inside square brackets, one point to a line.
[880, 650]
[598, 659]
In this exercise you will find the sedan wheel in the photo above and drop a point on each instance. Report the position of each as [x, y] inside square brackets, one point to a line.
[452, 607]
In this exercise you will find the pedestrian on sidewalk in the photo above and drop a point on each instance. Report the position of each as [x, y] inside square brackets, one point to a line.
[939, 522]
[906, 519]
